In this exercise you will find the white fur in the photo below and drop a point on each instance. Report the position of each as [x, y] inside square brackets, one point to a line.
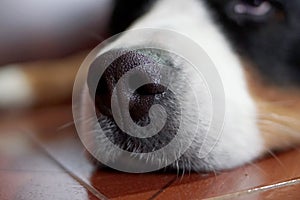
[240, 142]
[15, 89]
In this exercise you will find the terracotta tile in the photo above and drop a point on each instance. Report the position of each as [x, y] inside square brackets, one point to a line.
[63, 145]
[267, 171]
[18, 153]
[26, 172]
[27, 162]
[289, 189]
[67, 149]
[116, 184]
[39, 119]
[40, 185]
[287, 193]
[138, 196]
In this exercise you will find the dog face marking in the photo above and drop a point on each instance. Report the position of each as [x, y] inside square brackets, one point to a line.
[242, 139]
[270, 41]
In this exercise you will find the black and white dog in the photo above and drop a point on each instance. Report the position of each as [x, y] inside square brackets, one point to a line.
[240, 36]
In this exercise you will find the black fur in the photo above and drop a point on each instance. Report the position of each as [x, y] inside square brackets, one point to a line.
[271, 42]
[127, 11]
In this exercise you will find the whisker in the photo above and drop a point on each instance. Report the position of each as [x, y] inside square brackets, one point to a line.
[257, 167]
[64, 126]
[215, 173]
[277, 160]
[71, 123]
[280, 102]
[182, 175]
[177, 169]
[280, 126]
[280, 117]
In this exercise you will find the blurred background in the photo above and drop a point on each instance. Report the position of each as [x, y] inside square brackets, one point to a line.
[42, 44]
[34, 29]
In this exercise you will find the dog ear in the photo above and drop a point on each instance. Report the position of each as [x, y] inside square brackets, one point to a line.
[51, 28]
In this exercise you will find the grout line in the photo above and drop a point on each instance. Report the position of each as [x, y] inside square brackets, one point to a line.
[265, 188]
[162, 189]
[86, 185]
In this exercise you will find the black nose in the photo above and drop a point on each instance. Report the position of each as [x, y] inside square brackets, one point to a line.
[108, 69]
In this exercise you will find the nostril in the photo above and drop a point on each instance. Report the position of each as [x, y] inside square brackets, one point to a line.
[147, 89]
[151, 89]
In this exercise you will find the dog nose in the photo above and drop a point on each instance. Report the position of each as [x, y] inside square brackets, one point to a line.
[141, 99]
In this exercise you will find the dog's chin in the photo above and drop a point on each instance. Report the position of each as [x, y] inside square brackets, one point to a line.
[195, 158]
[205, 153]
[134, 144]
[189, 161]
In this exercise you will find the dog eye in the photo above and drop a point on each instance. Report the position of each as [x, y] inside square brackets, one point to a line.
[258, 8]
[254, 10]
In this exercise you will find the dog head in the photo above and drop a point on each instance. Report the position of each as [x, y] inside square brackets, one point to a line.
[265, 33]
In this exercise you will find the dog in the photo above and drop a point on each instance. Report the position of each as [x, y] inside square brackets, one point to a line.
[254, 46]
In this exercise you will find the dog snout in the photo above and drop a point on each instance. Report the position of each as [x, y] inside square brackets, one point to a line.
[143, 96]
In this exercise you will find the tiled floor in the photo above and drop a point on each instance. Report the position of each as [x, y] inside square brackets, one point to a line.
[41, 159]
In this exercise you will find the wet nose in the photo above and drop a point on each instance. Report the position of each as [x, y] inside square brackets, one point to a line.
[107, 70]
